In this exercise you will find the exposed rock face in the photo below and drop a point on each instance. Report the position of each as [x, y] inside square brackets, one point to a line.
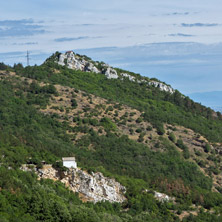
[89, 67]
[111, 73]
[93, 187]
[48, 172]
[73, 61]
[162, 86]
[131, 78]
[163, 197]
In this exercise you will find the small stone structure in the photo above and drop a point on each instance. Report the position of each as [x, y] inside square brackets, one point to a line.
[69, 162]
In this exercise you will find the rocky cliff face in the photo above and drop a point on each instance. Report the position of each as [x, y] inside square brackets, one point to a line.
[91, 187]
[77, 62]
[94, 187]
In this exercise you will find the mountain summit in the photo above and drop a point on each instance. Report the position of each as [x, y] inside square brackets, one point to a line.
[86, 64]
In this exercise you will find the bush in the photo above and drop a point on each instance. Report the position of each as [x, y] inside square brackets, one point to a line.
[59, 166]
[108, 124]
[159, 127]
[74, 103]
[207, 148]
[172, 137]
[3, 66]
[93, 122]
[180, 144]
[139, 120]
[131, 131]
[139, 130]
[149, 128]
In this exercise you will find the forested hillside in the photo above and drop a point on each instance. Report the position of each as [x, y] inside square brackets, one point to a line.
[147, 139]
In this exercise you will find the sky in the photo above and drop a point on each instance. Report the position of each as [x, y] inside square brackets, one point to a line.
[178, 42]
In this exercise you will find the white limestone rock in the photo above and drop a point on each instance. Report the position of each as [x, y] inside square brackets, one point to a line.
[163, 197]
[142, 81]
[111, 73]
[28, 167]
[92, 187]
[162, 86]
[62, 58]
[48, 172]
[75, 62]
[89, 67]
[131, 78]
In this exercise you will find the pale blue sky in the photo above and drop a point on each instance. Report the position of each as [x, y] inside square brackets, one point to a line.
[179, 42]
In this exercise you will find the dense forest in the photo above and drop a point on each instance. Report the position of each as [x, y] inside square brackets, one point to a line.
[29, 136]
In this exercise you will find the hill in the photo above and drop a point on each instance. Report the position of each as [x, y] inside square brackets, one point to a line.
[139, 131]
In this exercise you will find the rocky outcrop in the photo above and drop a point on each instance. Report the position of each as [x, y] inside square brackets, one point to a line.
[91, 187]
[85, 64]
[94, 187]
[73, 61]
[111, 73]
[131, 78]
[162, 86]
[76, 62]
[161, 197]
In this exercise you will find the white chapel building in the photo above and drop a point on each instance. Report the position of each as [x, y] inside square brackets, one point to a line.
[69, 162]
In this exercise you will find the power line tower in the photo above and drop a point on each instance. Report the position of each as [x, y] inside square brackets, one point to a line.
[27, 56]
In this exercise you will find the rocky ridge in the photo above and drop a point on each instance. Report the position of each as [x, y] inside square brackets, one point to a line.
[85, 64]
[77, 62]
[92, 187]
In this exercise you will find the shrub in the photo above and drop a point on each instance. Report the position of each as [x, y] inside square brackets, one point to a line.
[108, 124]
[93, 122]
[139, 120]
[172, 137]
[207, 148]
[139, 130]
[131, 131]
[74, 103]
[149, 128]
[159, 127]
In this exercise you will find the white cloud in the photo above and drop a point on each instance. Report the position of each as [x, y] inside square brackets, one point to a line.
[17, 28]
